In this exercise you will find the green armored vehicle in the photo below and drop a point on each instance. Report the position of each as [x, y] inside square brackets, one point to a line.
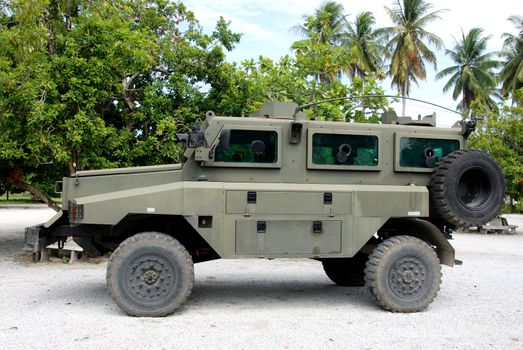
[372, 202]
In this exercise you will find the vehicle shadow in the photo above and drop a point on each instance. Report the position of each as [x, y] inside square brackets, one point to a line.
[81, 296]
[243, 294]
[232, 296]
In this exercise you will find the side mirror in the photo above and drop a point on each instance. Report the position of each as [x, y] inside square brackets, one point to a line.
[225, 138]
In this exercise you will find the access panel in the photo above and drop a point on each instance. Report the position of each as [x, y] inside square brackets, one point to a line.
[288, 202]
[288, 237]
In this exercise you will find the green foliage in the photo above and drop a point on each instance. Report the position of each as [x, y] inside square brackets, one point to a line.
[501, 135]
[252, 83]
[516, 208]
[323, 61]
[327, 25]
[322, 54]
[92, 84]
[363, 43]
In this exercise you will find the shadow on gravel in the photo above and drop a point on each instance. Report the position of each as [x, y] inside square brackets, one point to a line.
[233, 296]
[275, 294]
[94, 295]
[11, 242]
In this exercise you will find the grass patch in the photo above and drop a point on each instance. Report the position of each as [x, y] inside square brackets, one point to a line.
[22, 198]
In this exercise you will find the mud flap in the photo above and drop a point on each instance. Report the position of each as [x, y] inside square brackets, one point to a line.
[33, 241]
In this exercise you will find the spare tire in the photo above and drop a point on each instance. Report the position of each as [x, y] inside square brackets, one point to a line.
[467, 188]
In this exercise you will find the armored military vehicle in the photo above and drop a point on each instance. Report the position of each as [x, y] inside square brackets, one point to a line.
[372, 202]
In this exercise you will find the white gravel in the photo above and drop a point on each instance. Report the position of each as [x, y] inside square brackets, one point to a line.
[260, 304]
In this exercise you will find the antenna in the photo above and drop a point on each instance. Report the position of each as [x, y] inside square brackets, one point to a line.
[302, 107]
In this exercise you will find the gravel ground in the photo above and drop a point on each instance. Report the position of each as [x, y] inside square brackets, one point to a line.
[254, 304]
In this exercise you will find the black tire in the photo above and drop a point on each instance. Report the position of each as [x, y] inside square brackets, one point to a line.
[468, 188]
[403, 274]
[346, 272]
[150, 275]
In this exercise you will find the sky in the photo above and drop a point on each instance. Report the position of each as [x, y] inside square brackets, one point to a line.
[265, 25]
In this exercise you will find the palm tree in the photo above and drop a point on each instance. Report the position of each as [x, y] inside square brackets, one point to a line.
[407, 47]
[363, 44]
[326, 25]
[471, 76]
[512, 73]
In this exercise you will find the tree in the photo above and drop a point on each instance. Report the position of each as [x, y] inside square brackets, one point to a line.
[362, 42]
[325, 62]
[91, 84]
[407, 43]
[327, 25]
[324, 32]
[512, 73]
[472, 76]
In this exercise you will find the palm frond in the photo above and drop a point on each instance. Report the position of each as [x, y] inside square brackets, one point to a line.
[447, 71]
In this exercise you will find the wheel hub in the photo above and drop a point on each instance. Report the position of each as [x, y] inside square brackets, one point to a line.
[407, 278]
[150, 278]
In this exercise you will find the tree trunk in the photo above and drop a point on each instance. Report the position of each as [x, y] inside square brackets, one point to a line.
[16, 179]
[68, 24]
[405, 89]
[39, 194]
[51, 33]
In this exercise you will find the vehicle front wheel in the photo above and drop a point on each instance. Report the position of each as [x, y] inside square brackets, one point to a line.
[403, 274]
[150, 275]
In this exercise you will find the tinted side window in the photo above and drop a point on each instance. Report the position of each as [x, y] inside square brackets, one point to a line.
[415, 151]
[249, 146]
[339, 149]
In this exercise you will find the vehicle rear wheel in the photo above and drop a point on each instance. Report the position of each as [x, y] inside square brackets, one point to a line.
[150, 274]
[346, 272]
[403, 274]
[468, 188]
